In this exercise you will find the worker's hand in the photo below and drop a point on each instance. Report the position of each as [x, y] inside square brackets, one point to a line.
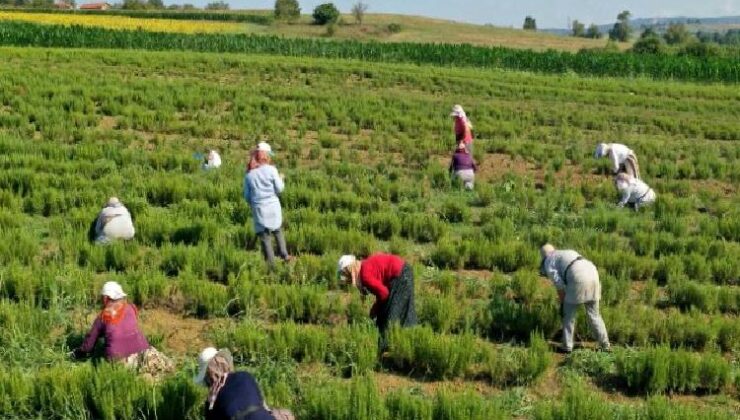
[76, 354]
[561, 295]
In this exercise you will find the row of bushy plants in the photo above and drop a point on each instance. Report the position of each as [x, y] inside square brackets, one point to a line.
[587, 63]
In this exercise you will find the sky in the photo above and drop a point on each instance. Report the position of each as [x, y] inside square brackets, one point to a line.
[548, 13]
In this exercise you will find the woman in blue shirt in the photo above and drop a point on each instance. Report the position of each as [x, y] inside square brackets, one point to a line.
[262, 188]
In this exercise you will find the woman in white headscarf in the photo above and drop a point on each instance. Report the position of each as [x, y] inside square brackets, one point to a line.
[633, 191]
[113, 222]
[262, 188]
[463, 127]
[213, 160]
[622, 157]
[391, 280]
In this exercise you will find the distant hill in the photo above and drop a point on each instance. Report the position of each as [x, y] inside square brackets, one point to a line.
[422, 29]
[713, 24]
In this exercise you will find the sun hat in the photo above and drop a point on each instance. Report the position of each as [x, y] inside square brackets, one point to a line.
[113, 290]
[264, 147]
[457, 111]
[204, 358]
[344, 262]
[113, 201]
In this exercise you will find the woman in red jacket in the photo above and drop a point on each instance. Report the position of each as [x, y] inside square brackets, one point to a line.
[463, 127]
[391, 280]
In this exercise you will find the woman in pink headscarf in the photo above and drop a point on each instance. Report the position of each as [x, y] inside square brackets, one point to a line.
[463, 127]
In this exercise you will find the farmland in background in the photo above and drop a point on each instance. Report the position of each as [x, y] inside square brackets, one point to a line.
[374, 28]
[364, 148]
[125, 22]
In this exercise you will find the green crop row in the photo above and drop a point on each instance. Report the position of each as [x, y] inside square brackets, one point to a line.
[585, 63]
[578, 402]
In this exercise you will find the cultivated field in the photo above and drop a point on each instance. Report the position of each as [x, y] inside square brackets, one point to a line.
[125, 22]
[374, 27]
[365, 147]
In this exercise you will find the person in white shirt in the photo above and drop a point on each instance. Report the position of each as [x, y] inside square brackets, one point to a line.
[113, 222]
[577, 282]
[622, 157]
[213, 160]
[633, 191]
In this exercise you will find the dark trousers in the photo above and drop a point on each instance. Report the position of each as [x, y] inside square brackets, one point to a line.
[399, 307]
[266, 242]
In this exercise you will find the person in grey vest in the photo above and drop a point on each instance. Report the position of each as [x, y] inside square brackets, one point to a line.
[577, 282]
[262, 188]
[113, 222]
[633, 191]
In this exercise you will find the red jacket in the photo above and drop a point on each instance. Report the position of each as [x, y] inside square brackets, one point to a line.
[377, 273]
[462, 131]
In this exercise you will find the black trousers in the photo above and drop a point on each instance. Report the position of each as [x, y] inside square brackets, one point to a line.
[400, 305]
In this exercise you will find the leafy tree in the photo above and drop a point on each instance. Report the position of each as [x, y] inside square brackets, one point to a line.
[133, 5]
[325, 13]
[622, 29]
[217, 5]
[593, 32]
[530, 24]
[358, 10]
[649, 43]
[155, 4]
[287, 10]
[579, 29]
[676, 34]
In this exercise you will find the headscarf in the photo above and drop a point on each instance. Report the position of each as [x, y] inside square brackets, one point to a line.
[114, 310]
[459, 112]
[545, 251]
[219, 368]
[623, 180]
[258, 158]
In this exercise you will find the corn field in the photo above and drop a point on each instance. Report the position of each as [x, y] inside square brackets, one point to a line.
[715, 69]
[364, 147]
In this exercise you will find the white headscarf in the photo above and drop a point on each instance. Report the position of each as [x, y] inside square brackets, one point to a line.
[459, 112]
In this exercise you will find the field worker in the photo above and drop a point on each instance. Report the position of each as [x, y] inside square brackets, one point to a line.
[622, 157]
[577, 282]
[213, 160]
[633, 191]
[391, 280]
[118, 325]
[231, 395]
[463, 127]
[262, 188]
[463, 166]
[114, 222]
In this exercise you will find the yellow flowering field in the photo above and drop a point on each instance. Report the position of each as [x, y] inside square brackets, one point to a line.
[125, 22]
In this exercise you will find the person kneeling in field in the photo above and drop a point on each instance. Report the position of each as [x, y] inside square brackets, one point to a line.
[463, 166]
[262, 188]
[633, 191]
[124, 342]
[113, 222]
[577, 282]
[623, 158]
[391, 280]
[232, 395]
[213, 160]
